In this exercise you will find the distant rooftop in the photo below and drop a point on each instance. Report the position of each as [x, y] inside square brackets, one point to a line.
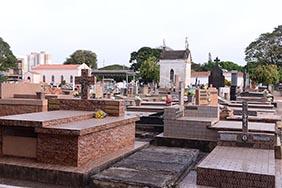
[175, 54]
[56, 66]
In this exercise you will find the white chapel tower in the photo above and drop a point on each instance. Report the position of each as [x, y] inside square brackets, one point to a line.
[175, 63]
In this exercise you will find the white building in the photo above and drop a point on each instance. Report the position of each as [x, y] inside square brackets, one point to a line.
[175, 63]
[56, 73]
[202, 78]
[35, 59]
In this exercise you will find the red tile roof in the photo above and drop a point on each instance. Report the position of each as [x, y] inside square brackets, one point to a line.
[200, 74]
[56, 66]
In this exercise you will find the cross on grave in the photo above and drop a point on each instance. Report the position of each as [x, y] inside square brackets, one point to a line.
[85, 81]
[181, 93]
[217, 60]
[245, 120]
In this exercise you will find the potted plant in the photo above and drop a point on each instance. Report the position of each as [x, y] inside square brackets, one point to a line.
[190, 94]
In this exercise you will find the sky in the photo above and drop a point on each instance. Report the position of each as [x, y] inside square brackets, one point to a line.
[115, 28]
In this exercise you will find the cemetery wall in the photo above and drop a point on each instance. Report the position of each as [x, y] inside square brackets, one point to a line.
[8, 90]
[111, 107]
[21, 106]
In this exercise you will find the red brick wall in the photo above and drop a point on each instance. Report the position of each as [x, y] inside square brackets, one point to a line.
[57, 149]
[111, 107]
[78, 150]
[98, 144]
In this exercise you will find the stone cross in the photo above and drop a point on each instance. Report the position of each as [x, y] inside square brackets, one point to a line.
[181, 93]
[245, 120]
[85, 81]
[245, 79]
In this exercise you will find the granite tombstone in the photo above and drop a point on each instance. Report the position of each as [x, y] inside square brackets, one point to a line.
[216, 78]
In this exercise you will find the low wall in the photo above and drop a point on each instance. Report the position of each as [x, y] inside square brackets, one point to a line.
[8, 90]
[111, 107]
[22, 106]
[192, 130]
[202, 111]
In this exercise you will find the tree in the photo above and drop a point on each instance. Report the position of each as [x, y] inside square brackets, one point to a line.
[150, 70]
[83, 56]
[265, 74]
[139, 57]
[227, 65]
[195, 66]
[116, 67]
[7, 58]
[267, 49]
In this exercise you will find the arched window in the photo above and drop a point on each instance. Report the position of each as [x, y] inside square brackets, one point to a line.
[62, 78]
[44, 78]
[171, 75]
[71, 79]
[53, 78]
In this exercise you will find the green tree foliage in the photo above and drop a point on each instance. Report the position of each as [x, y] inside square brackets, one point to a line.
[150, 70]
[7, 58]
[263, 53]
[266, 74]
[196, 66]
[227, 65]
[139, 57]
[116, 67]
[83, 56]
[267, 49]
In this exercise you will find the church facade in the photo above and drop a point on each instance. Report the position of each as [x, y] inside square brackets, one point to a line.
[175, 65]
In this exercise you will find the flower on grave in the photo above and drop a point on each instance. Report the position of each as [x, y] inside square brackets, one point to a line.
[100, 114]
[76, 94]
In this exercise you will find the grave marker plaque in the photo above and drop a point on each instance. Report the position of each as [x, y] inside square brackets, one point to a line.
[181, 93]
[234, 79]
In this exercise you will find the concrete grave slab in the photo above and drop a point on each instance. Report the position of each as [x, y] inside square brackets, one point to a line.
[150, 167]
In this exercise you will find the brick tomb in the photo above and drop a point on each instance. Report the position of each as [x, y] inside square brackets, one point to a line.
[67, 145]
[242, 158]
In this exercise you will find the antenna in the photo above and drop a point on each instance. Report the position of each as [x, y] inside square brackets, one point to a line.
[164, 45]
[186, 43]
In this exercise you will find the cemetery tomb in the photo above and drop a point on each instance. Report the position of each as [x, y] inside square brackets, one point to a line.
[191, 122]
[237, 167]
[66, 145]
[216, 78]
[150, 167]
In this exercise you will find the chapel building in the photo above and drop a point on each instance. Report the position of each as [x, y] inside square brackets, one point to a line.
[175, 66]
